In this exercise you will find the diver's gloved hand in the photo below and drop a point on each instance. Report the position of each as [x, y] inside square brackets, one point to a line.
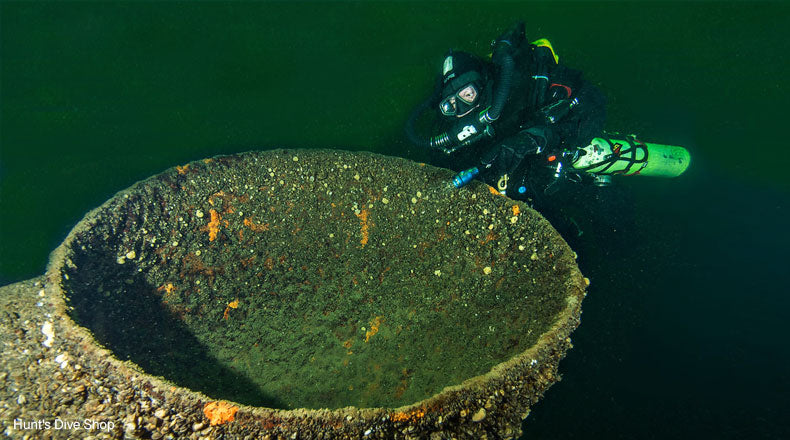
[468, 130]
[526, 142]
[499, 160]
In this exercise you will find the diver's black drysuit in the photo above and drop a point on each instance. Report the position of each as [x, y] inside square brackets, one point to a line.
[548, 112]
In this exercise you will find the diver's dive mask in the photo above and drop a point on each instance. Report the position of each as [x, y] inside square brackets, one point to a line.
[462, 102]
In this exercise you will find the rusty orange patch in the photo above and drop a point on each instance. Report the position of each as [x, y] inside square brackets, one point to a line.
[213, 225]
[494, 191]
[412, 415]
[375, 323]
[231, 305]
[489, 237]
[182, 169]
[168, 288]
[220, 412]
[216, 194]
[364, 225]
[516, 210]
[257, 227]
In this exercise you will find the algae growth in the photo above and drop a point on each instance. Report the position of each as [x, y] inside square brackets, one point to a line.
[317, 279]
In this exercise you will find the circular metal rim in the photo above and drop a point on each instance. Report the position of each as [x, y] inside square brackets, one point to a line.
[516, 384]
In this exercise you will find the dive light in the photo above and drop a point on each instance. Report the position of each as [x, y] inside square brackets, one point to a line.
[465, 177]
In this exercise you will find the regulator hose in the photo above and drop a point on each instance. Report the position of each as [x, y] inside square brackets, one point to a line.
[504, 82]
[441, 141]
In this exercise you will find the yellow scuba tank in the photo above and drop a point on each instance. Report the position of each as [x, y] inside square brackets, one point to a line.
[629, 156]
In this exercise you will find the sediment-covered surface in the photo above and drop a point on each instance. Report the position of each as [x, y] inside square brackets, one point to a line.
[311, 293]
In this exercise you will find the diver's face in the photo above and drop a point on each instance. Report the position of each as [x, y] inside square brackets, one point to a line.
[468, 94]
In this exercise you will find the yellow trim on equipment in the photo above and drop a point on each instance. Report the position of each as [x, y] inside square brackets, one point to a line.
[546, 43]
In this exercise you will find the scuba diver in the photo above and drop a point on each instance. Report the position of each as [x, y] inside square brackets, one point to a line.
[516, 121]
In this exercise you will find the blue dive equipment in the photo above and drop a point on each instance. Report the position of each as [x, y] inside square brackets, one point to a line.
[465, 177]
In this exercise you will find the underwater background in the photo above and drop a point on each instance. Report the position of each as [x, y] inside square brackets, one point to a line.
[685, 328]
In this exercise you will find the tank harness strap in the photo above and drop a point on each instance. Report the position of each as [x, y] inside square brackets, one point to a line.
[620, 154]
[568, 90]
[542, 56]
[635, 144]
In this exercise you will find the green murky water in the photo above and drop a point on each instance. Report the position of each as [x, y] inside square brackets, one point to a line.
[98, 95]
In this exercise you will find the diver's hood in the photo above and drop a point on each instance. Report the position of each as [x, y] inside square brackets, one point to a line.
[465, 85]
[460, 71]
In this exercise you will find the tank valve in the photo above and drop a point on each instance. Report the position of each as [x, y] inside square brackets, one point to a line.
[602, 180]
